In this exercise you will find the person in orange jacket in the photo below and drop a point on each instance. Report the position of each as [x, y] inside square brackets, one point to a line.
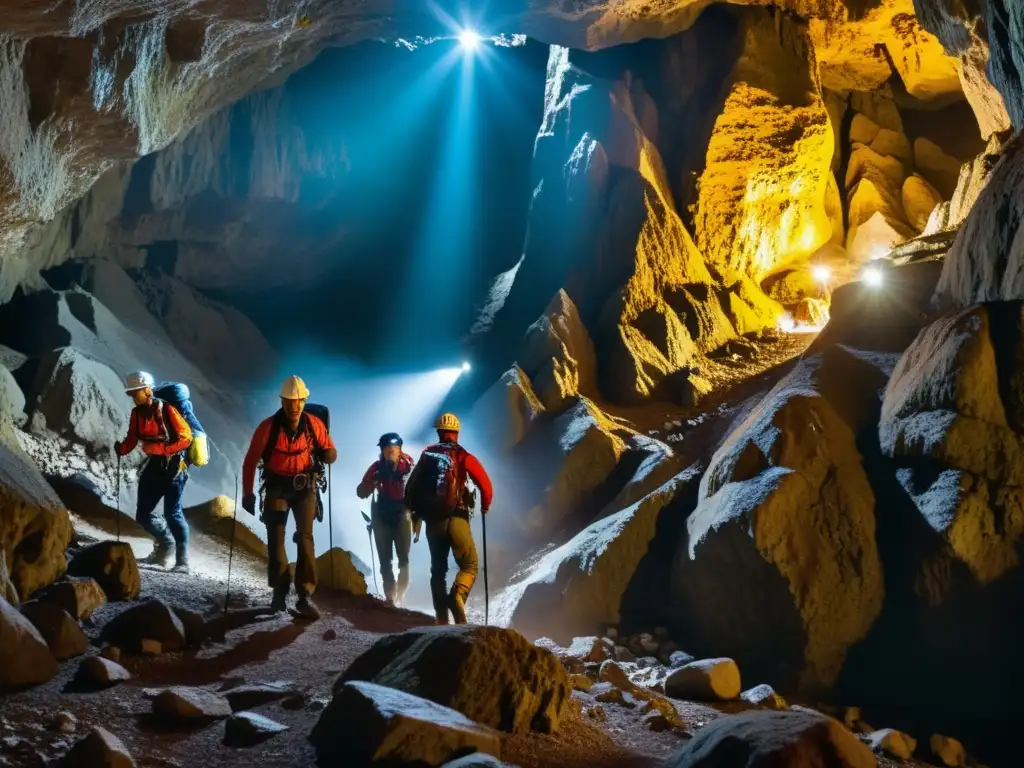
[164, 436]
[289, 444]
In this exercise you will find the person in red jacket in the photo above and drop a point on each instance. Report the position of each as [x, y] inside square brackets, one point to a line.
[389, 517]
[164, 436]
[443, 466]
[289, 444]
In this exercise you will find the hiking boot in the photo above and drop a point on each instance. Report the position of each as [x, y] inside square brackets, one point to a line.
[162, 555]
[279, 602]
[181, 567]
[306, 609]
[457, 606]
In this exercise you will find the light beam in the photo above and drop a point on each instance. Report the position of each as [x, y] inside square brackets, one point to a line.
[873, 277]
[469, 40]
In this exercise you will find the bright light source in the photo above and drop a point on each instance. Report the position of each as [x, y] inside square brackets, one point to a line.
[466, 367]
[469, 39]
[872, 276]
[822, 274]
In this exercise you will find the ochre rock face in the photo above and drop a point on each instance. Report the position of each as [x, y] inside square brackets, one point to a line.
[780, 569]
[762, 194]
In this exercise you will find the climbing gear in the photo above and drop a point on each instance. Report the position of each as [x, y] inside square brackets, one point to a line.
[294, 388]
[231, 548]
[390, 438]
[119, 498]
[318, 477]
[436, 486]
[306, 608]
[178, 395]
[487, 597]
[138, 380]
[373, 566]
[447, 422]
[330, 523]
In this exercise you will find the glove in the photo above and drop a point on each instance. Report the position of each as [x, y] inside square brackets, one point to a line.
[117, 447]
[249, 503]
[328, 455]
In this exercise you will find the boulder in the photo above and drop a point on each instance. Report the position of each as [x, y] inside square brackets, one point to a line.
[77, 595]
[99, 749]
[558, 355]
[367, 723]
[251, 696]
[493, 676]
[151, 619]
[863, 130]
[12, 400]
[970, 275]
[506, 411]
[948, 751]
[28, 659]
[811, 312]
[705, 680]
[761, 197]
[246, 729]
[60, 631]
[97, 671]
[796, 739]
[7, 589]
[581, 651]
[892, 742]
[181, 704]
[789, 286]
[585, 580]
[919, 200]
[336, 570]
[35, 529]
[763, 696]
[937, 166]
[112, 564]
[218, 517]
[196, 630]
[80, 399]
[889, 143]
[476, 760]
[779, 567]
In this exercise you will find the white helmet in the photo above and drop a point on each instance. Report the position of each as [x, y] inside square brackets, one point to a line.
[138, 380]
[294, 388]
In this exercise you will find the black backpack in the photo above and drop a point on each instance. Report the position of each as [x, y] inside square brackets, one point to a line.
[438, 482]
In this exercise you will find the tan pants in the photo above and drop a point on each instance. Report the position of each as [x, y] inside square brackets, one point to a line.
[450, 534]
[275, 513]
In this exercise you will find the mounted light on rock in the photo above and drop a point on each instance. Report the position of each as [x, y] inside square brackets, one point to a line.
[466, 367]
[822, 274]
[873, 277]
[469, 40]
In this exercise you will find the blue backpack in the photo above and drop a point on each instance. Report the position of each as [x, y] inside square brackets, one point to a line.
[177, 394]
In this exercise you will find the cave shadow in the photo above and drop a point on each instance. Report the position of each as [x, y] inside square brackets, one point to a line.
[944, 655]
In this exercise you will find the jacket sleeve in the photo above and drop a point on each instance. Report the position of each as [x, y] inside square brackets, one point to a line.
[478, 475]
[129, 443]
[177, 426]
[323, 437]
[366, 485]
[253, 456]
[410, 485]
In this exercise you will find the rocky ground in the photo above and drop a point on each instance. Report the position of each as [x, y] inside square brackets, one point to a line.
[305, 659]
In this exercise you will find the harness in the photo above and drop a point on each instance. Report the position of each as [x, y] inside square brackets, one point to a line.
[316, 476]
[165, 431]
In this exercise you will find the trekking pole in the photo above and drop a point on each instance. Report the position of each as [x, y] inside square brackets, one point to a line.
[373, 566]
[330, 524]
[118, 497]
[487, 599]
[231, 549]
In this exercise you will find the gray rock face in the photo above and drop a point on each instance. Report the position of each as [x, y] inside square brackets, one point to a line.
[28, 659]
[366, 723]
[152, 619]
[247, 729]
[60, 631]
[190, 705]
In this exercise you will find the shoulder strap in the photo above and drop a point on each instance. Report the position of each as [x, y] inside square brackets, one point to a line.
[275, 431]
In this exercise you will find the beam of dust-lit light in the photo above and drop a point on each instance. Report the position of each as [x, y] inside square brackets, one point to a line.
[466, 367]
[873, 277]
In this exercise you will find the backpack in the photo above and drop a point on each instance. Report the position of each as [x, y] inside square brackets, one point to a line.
[437, 485]
[177, 394]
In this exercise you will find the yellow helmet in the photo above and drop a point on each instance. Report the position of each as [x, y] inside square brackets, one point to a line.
[294, 388]
[447, 422]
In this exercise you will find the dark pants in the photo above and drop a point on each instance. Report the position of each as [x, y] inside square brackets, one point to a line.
[164, 478]
[444, 535]
[278, 500]
[392, 530]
